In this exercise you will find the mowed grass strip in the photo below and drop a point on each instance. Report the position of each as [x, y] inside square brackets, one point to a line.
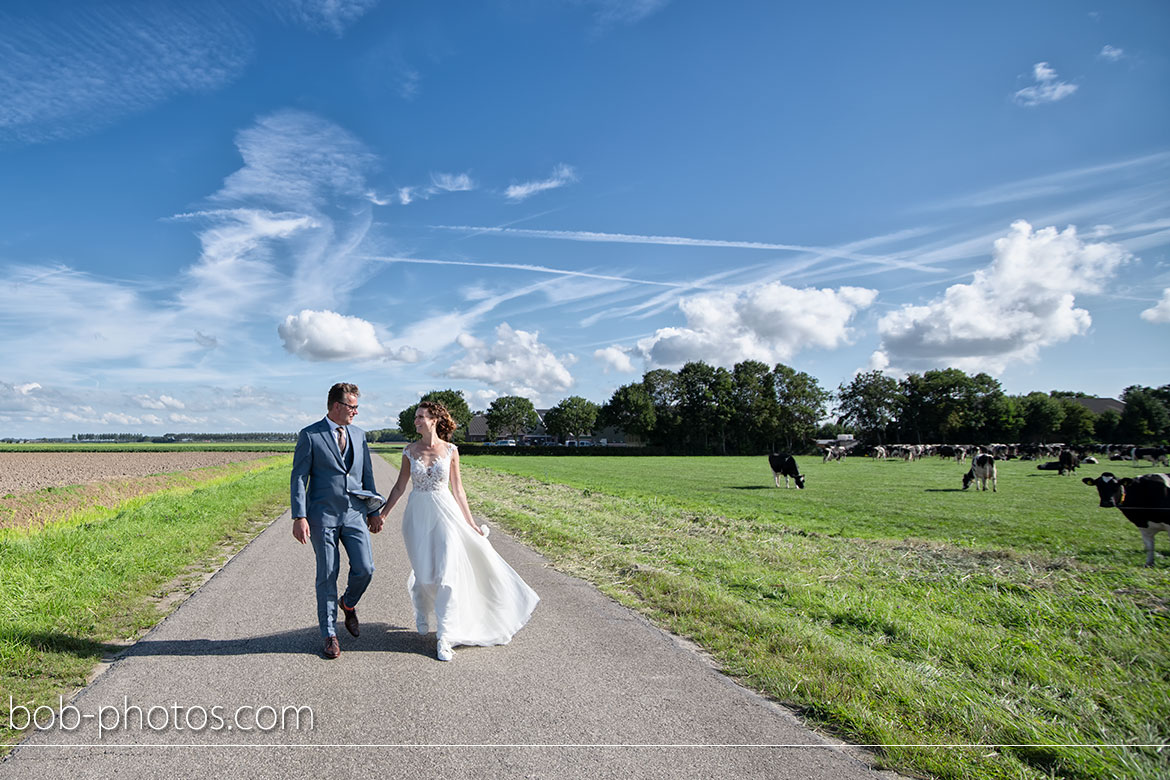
[72, 593]
[883, 602]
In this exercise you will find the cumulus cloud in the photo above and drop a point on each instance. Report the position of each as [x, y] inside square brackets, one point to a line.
[328, 336]
[770, 322]
[614, 358]
[561, 175]
[1159, 312]
[517, 363]
[1023, 301]
[1047, 89]
[1111, 53]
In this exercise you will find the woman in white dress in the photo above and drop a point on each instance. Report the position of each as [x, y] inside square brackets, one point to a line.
[475, 596]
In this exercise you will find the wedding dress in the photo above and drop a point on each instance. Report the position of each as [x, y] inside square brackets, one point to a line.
[475, 596]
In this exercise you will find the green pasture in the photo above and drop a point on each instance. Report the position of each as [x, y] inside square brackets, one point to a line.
[883, 602]
[73, 592]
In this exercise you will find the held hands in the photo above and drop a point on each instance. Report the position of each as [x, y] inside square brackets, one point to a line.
[374, 522]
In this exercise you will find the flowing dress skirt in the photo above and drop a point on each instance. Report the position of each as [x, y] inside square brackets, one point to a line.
[475, 596]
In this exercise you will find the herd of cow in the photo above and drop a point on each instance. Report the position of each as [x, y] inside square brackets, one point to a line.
[1144, 501]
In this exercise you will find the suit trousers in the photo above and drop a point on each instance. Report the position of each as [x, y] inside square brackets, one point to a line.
[355, 537]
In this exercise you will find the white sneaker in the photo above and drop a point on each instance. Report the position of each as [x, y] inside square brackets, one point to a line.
[444, 652]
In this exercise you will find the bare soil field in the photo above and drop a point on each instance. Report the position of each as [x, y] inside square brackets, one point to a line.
[21, 472]
[126, 476]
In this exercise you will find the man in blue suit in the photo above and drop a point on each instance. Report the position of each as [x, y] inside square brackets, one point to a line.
[331, 469]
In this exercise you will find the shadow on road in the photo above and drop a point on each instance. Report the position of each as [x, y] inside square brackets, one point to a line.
[375, 638]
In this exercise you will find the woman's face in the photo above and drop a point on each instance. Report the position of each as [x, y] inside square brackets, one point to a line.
[423, 420]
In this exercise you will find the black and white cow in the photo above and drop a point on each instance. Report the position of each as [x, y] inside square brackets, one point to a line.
[1152, 454]
[982, 469]
[785, 465]
[1144, 501]
[1068, 462]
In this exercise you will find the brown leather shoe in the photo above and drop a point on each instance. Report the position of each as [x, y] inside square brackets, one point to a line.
[351, 621]
[332, 648]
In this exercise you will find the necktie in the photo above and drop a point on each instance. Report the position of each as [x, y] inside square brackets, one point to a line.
[341, 438]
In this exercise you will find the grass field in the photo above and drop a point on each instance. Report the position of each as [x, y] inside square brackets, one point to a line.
[884, 603]
[182, 446]
[72, 592]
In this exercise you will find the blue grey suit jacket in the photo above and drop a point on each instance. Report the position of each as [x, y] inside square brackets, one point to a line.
[321, 488]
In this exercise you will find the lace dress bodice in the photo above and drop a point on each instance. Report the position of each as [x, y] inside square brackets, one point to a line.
[433, 477]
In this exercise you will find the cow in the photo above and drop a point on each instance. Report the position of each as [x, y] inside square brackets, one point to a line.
[1152, 454]
[1068, 462]
[785, 465]
[833, 453]
[879, 452]
[982, 469]
[1144, 501]
[1050, 465]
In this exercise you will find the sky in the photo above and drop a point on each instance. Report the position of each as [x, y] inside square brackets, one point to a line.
[211, 212]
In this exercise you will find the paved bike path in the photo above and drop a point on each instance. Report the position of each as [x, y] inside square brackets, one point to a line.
[587, 689]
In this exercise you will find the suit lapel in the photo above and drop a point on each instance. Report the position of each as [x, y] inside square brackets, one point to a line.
[331, 444]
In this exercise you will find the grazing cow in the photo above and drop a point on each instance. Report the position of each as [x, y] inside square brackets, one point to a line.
[1144, 501]
[833, 453]
[1068, 462]
[785, 465]
[879, 452]
[982, 469]
[1152, 454]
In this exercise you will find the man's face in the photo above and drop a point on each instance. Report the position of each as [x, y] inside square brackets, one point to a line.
[345, 410]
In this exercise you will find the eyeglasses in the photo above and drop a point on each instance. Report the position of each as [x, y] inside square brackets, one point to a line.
[351, 407]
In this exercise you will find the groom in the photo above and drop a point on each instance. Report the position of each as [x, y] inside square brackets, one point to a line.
[330, 465]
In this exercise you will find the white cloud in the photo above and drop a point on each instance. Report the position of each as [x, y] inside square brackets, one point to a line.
[561, 175]
[516, 364]
[1047, 89]
[1023, 301]
[1159, 312]
[1111, 53]
[451, 182]
[329, 336]
[614, 358]
[162, 402]
[770, 322]
[27, 388]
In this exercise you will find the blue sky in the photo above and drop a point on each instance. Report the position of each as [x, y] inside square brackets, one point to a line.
[210, 212]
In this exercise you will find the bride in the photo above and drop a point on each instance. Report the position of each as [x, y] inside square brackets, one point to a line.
[475, 596]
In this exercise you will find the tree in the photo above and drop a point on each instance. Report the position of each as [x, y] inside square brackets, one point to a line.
[1108, 426]
[661, 386]
[1042, 414]
[870, 403]
[452, 399]
[630, 409]
[571, 418]
[511, 415]
[801, 403]
[1077, 427]
[1145, 419]
[753, 407]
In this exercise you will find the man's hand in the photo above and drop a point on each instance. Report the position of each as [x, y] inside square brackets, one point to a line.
[301, 529]
[374, 522]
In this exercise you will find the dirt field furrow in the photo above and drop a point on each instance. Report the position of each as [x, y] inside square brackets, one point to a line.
[21, 472]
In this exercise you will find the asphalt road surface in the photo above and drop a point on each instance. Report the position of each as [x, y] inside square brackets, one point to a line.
[587, 689]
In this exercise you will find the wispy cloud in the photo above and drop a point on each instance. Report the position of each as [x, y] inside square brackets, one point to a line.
[561, 175]
[1111, 53]
[322, 15]
[83, 67]
[440, 183]
[627, 238]
[1048, 88]
[610, 12]
[538, 269]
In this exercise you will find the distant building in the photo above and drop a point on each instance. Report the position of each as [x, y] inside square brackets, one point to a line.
[1098, 405]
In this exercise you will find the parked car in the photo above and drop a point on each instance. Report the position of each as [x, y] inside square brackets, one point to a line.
[502, 443]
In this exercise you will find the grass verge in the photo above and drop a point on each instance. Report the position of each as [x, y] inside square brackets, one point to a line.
[76, 591]
[1035, 646]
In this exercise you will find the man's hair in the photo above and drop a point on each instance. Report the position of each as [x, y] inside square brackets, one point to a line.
[339, 391]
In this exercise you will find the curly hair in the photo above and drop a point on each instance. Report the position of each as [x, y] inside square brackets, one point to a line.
[444, 422]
